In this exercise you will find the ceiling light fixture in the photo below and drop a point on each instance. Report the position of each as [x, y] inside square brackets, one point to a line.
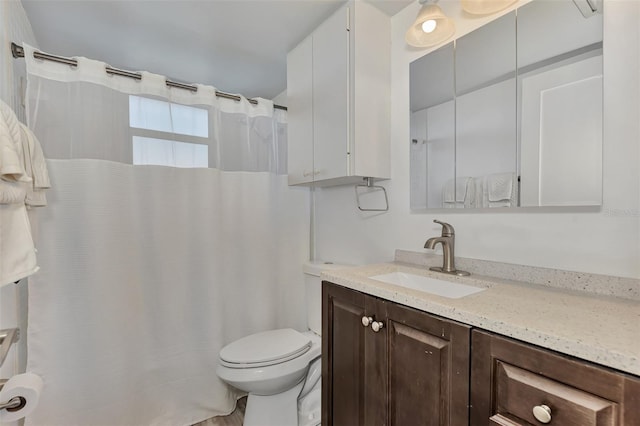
[484, 7]
[431, 26]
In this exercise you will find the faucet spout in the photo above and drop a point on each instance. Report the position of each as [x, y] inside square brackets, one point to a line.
[433, 241]
[447, 239]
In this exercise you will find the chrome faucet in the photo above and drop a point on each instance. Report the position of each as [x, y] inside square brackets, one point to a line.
[448, 243]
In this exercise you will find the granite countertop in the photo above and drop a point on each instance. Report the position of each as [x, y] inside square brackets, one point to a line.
[598, 328]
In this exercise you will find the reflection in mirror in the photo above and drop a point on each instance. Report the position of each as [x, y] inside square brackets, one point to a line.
[518, 123]
[432, 127]
[486, 135]
[560, 104]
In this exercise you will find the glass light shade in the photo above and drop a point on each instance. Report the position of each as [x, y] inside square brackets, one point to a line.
[484, 7]
[445, 28]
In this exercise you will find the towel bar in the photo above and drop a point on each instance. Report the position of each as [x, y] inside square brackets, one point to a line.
[369, 184]
[8, 337]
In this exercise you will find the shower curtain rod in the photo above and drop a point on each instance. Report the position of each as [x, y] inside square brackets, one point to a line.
[18, 52]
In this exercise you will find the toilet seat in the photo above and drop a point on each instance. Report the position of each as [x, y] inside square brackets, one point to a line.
[265, 349]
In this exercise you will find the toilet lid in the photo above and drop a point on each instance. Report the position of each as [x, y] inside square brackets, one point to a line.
[266, 348]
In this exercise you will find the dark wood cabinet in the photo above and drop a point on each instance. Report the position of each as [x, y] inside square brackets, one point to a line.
[509, 379]
[343, 370]
[387, 364]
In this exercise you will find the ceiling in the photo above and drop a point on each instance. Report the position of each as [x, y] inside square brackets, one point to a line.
[238, 46]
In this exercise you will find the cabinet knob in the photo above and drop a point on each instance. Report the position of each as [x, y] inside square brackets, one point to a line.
[377, 326]
[366, 321]
[542, 413]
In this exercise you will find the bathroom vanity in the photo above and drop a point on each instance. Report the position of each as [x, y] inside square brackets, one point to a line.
[376, 377]
[515, 353]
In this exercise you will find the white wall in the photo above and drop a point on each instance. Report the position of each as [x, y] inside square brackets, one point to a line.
[281, 98]
[602, 240]
[14, 26]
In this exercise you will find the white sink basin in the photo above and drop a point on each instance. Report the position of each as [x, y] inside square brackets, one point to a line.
[428, 285]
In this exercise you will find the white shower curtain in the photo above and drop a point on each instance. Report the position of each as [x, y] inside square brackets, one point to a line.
[148, 270]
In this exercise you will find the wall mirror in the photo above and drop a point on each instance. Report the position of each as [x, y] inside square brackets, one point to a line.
[511, 114]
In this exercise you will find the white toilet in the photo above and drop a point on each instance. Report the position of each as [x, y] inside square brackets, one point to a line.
[280, 369]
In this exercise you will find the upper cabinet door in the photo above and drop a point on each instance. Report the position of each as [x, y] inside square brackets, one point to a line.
[345, 77]
[331, 97]
[299, 98]
[561, 105]
[486, 131]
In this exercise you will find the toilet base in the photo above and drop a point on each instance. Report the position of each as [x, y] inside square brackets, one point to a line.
[309, 408]
[273, 410]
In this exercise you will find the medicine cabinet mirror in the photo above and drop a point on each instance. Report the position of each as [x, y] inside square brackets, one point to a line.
[510, 115]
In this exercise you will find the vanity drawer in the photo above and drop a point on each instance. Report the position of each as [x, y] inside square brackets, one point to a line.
[509, 378]
[518, 391]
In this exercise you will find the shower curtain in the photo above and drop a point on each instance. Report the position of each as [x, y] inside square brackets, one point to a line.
[170, 232]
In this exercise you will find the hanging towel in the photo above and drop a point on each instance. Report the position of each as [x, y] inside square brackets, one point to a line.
[11, 148]
[36, 168]
[500, 190]
[462, 197]
[480, 183]
[17, 252]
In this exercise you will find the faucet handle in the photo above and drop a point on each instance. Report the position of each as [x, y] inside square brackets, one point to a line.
[447, 230]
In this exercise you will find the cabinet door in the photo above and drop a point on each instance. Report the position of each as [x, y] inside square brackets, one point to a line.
[428, 369]
[376, 340]
[343, 360]
[510, 379]
[354, 359]
[300, 127]
[405, 367]
[331, 97]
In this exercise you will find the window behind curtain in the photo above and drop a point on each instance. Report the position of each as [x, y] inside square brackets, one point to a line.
[168, 134]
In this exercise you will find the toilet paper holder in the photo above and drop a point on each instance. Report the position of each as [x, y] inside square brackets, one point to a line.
[7, 338]
[14, 404]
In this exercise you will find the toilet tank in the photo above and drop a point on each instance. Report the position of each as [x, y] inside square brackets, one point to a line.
[313, 284]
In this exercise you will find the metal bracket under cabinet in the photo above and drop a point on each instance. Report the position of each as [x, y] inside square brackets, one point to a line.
[369, 184]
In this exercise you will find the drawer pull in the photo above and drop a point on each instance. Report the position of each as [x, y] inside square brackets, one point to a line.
[542, 413]
[377, 326]
[366, 321]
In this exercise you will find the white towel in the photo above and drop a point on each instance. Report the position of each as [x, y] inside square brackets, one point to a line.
[500, 186]
[478, 199]
[17, 252]
[11, 152]
[462, 197]
[13, 192]
[36, 168]
[500, 190]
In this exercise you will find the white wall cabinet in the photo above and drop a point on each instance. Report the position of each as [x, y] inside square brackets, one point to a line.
[300, 113]
[338, 81]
